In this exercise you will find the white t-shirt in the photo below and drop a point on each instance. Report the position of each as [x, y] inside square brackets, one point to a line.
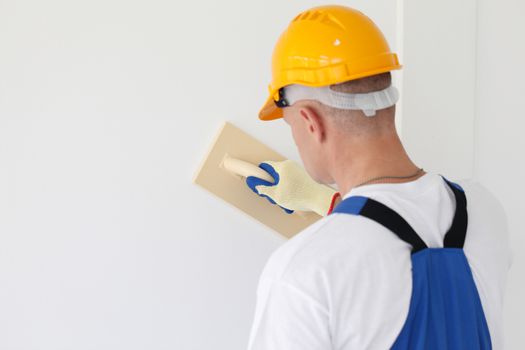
[345, 282]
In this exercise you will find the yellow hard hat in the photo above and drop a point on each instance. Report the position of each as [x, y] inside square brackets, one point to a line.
[326, 45]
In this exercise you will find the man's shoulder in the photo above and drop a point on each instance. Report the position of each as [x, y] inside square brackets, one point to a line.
[332, 239]
[473, 187]
[337, 252]
[481, 199]
[282, 257]
[487, 220]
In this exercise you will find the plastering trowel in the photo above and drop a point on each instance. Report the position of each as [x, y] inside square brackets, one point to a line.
[234, 155]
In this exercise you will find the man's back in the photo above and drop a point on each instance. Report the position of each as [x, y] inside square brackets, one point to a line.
[346, 282]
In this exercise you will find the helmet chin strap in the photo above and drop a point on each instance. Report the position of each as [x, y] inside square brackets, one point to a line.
[369, 102]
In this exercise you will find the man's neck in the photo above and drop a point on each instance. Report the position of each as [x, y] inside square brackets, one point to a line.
[382, 157]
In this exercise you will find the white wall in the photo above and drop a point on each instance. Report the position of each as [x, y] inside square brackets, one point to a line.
[106, 109]
[438, 84]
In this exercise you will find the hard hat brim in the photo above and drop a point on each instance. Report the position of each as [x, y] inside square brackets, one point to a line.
[270, 111]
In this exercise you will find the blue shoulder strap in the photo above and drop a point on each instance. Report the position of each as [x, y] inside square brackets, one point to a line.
[445, 309]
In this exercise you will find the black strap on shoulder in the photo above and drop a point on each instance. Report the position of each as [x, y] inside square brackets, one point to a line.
[394, 222]
[455, 236]
[377, 211]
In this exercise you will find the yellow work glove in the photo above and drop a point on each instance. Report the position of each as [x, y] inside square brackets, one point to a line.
[293, 189]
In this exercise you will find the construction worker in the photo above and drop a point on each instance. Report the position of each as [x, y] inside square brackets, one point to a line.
[403, 258]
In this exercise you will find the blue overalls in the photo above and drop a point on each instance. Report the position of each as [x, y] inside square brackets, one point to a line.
[445, 309]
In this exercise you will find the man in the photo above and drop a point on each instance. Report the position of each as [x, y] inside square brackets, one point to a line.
[403, 258]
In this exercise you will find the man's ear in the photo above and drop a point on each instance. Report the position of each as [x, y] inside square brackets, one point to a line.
[313, 122]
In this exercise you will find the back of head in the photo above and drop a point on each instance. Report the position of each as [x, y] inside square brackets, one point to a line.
[355, 122]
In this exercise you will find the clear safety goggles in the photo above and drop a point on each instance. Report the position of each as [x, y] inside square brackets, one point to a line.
[369, 102]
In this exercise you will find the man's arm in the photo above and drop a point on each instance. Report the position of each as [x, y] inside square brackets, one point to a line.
[287, 318]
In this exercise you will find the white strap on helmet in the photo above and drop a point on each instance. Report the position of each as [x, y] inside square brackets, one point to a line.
[369, 102]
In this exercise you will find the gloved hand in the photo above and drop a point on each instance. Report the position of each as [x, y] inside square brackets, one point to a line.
[293, 189]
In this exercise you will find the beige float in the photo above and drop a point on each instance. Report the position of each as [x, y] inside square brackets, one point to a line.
[234, 155]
